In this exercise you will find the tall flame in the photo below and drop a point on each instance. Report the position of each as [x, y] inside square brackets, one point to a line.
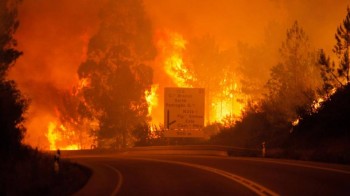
[228, 103]
[172, 50]
[75, 132]
[152, 98]
[54, 137]
[226, 99]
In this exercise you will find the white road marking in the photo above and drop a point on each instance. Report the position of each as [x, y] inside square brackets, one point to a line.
[253, 186]
[120, 180]
[296, 164]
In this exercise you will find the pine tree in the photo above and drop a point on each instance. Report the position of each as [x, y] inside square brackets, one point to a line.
[341, 49]
[294, 80]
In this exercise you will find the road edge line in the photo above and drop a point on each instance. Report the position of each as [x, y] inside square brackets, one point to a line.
[253, 186]
[120, 180]
[296, 165]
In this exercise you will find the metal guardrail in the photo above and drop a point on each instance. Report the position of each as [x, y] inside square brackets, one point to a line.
[229, 150]
[181, 149]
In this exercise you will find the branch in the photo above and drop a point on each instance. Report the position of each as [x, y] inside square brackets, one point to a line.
[334, 76]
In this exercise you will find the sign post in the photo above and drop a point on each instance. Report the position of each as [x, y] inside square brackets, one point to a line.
[184, 112]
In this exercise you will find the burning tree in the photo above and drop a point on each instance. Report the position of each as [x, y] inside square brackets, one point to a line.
[12, 104]
[118, 71]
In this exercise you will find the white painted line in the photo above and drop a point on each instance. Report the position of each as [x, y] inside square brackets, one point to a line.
[120, 180]
[255, 187]
[297, 165]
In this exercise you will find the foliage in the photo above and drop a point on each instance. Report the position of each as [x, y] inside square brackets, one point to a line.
[327, 131]
[337, 75]
[12, 104]
[328, 73]
[341, 49]
[294, 82]
[117, 70]
[254, 128]
[149, 136]
[31, 172]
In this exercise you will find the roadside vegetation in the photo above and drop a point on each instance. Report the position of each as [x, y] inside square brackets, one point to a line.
[30, 172]
[23, 170]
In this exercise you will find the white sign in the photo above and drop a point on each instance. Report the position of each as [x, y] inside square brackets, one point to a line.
[184, 112]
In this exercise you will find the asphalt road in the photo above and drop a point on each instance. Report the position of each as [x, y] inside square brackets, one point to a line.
[191, 173]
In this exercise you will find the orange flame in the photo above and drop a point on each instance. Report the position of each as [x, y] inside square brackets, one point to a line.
[75, 133]
[174, 67]
[226, 101]
[152, 98]
[54, 137]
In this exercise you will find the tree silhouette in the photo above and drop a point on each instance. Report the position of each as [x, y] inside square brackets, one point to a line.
[341, 49]
[117, 70]
[337, 75]
[12, 104]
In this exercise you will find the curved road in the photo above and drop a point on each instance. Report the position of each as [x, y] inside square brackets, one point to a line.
[139, 173]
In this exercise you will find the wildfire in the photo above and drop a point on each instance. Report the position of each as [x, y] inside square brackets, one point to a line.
[52, 136]
[225, 99]
[55, 137]
[316, 105]
[296, 122]
[172, 50]
[72, 133]
[152, 98]
[228, 103]
[82, 83]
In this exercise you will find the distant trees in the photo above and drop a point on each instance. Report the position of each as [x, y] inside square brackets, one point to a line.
[117, 70]
[12, 104]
